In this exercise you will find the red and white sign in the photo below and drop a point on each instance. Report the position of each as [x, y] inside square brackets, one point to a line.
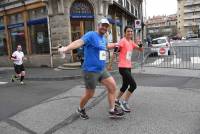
[163, 51]
[138, 24]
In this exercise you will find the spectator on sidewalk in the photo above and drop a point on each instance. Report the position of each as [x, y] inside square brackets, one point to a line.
[94, 67]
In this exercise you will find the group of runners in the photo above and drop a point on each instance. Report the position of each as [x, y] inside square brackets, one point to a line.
[94, 67]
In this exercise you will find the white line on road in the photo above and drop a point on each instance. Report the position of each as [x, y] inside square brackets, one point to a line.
[176, 61]
[2, 83]
[158, 61]
[195, 60]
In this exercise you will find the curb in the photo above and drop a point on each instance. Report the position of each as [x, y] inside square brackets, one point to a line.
[59, 78]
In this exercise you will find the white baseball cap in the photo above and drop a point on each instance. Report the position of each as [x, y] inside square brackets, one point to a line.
[104, 21]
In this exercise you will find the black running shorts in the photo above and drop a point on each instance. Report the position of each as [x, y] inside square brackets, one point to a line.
[19, 68]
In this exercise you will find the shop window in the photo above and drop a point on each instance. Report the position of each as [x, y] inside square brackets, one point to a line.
[81, 9]
[39, 39]
[136, 12]
[120, 2]
[132, 9]
[18, 38]
[16, 18]
[37, 13]
[3, 46]
[1, 20]
[127, 5]
[16, 31]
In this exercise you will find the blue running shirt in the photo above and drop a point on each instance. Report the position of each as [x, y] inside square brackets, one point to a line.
[94, 52]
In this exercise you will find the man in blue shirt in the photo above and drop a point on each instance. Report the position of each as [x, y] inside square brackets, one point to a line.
[94, 67]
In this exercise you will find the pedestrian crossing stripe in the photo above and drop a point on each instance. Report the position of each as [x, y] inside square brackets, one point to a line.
[2, 83]
[185, 41]
[176, 61]
[195, 60]
[158, 61]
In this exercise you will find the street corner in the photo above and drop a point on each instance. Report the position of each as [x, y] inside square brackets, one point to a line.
[55, 112]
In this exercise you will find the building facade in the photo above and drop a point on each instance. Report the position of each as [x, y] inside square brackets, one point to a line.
[188, 16]
[40, 25]
[158, 26]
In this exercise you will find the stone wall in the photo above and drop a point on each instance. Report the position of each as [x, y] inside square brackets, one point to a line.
[60, 23]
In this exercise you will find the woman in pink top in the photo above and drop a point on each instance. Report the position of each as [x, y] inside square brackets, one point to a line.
[126, 46]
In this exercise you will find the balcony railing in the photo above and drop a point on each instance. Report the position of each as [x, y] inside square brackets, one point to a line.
[191, 3]
[192, 17]
[191, 10]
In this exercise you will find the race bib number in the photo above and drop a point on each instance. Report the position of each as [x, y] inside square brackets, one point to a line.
[128, 56]
[102, 55]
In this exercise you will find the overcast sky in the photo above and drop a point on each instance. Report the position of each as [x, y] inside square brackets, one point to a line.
[160, 7]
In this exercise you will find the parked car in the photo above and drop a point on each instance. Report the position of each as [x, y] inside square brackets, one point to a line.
[161, 42]
[191, 35]
[176, 38]
[183, 38]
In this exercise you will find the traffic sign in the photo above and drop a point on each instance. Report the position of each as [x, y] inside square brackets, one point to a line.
[163, 51]
[138, 24]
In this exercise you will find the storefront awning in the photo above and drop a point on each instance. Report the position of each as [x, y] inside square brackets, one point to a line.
[81, 16]
[11, 26]
[37, 21]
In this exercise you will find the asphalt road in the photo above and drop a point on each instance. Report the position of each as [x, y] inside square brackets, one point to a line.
[15, 98]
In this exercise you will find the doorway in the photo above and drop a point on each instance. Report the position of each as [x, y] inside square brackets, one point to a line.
[78, 29]
[82, 21]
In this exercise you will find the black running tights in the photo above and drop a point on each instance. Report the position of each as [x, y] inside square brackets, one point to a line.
[128, 80]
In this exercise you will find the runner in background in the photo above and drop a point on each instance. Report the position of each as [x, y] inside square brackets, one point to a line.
[18, 59]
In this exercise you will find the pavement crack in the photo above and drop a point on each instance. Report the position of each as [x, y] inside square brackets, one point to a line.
[74, 116]
[19, 126]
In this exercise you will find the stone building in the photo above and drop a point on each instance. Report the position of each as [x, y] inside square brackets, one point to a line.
[40, 25]
[158, 26]
[188, 17]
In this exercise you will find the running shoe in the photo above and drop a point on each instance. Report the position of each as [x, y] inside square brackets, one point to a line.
[22, 83]
[82, 114]
[14, 78]
[125, 107]
[117, 113]
[117, 103]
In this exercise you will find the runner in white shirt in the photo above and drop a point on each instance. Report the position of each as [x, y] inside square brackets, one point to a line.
[18, 58]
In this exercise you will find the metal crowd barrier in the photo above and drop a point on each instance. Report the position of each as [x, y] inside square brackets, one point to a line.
[180, 57]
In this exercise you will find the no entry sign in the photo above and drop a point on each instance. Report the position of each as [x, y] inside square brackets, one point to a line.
[163, 51]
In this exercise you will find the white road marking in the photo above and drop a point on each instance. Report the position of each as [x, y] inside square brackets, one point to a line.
[176, 61]
[2, 83]
[157, 62]
[195, 60]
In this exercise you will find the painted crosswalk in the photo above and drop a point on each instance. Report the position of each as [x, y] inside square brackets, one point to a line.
[3, 83]
[175, 62]
[158, 61]
[184, 41]
[195, 60]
